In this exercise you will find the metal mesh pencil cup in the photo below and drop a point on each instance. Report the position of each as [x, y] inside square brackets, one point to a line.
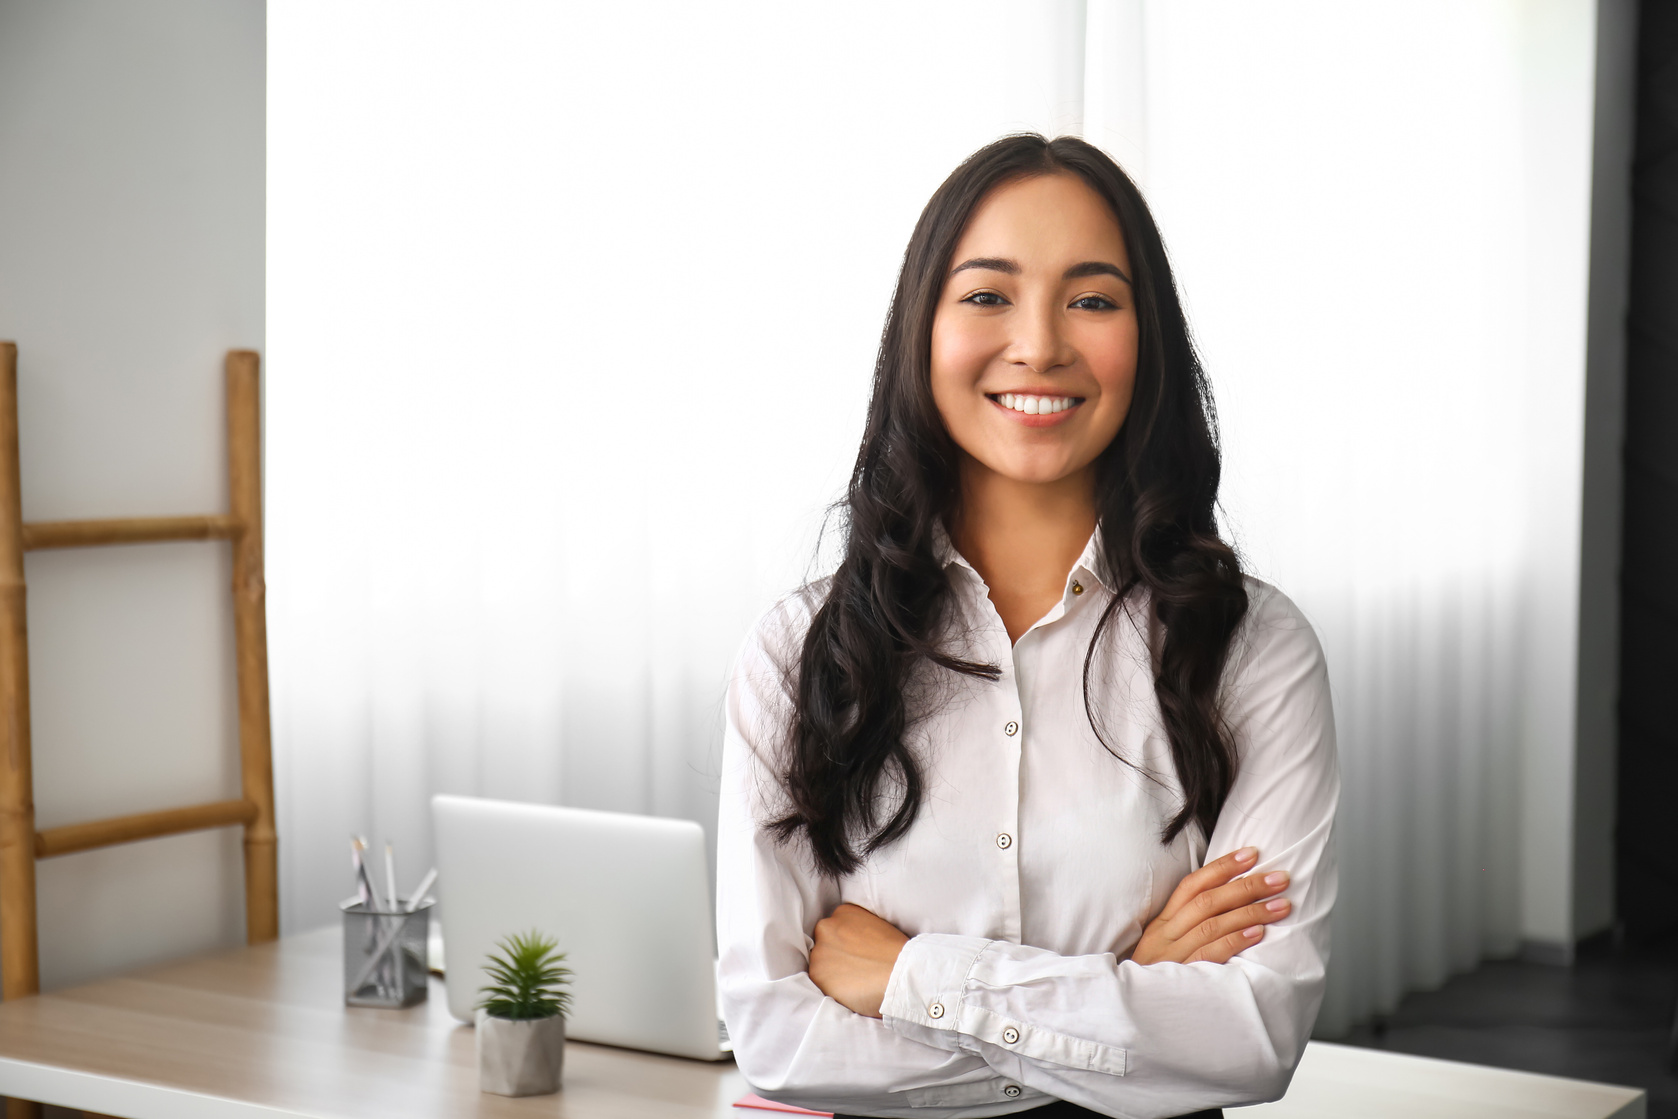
[384, 955]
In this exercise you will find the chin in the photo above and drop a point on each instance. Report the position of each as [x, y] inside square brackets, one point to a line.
[1036, 473]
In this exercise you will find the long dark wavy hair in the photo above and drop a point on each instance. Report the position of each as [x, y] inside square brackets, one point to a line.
[852, 783]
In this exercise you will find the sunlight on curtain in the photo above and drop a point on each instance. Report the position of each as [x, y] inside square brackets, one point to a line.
[572, 315]
[1358, 198]
[572, 312]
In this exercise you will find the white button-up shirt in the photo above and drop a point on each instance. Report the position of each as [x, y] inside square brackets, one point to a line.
[1029, 875]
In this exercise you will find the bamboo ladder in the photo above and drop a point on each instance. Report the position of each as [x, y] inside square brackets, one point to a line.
[20, 844]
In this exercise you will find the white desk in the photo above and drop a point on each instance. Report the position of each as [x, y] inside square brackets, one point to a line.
[263, 1032]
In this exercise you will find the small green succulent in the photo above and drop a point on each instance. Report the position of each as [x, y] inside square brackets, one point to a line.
[528, 979]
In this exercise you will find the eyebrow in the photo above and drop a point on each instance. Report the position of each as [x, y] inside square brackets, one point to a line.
[1076, 272]
[989, 264]
[1095, 268]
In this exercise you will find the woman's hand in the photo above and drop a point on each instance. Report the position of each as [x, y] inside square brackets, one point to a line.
[853, 958]
[1212, 915]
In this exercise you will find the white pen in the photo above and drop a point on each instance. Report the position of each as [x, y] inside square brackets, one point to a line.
[419, 891]
[390, 878]
[360, 880]
[364, 877]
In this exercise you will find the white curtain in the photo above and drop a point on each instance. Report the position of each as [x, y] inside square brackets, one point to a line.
[572, 313]
[1379, 216]
[571, 318]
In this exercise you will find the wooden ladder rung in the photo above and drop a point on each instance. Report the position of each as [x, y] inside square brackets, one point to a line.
[143, 825]
[127, 530]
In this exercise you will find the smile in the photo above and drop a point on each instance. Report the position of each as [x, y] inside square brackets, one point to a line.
[1034, 405]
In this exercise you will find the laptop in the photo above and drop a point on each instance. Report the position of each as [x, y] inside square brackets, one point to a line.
[627, 897]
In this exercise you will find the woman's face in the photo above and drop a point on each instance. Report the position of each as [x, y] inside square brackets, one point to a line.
[1034, 339]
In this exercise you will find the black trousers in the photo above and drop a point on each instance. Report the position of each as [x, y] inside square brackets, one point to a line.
[1060, 1109]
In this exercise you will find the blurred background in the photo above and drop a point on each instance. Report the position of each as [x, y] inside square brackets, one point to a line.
[568, 314]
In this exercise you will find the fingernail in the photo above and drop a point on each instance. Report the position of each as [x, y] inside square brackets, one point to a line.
[1254, 933]
[1246, 854]
[1278, 905]
[1276, 878]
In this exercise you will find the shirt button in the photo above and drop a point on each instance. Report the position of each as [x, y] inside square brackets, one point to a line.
[1011, 728]
[1004, 840]
[1011, 1091]
[1077, 588]
[936, 1010]
[1010, 1035]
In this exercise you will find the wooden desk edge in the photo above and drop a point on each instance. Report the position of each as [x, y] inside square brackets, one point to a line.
[133, 1099]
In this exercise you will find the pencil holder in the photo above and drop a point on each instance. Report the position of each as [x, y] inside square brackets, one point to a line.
[384, 955]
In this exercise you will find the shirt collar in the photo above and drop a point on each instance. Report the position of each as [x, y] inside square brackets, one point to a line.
[1094, 564]
[944, 549]
[1089, 561]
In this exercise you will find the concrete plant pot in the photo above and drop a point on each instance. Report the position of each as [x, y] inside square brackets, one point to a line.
[520, 1057]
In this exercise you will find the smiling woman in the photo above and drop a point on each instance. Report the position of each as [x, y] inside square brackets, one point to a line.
[1009, 801]
[1038, 338]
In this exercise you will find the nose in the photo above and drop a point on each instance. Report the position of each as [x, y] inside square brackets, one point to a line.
[1039, 341]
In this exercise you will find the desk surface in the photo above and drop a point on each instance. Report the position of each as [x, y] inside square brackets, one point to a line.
[263, 1032]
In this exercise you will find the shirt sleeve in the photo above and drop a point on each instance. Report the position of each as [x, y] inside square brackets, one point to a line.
[792, 1042]
[1165, 1039]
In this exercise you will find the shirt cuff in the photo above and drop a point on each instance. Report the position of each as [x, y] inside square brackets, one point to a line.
[927, 986]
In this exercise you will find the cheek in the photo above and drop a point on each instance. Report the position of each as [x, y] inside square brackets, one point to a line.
[1112, 361]
[960, 353]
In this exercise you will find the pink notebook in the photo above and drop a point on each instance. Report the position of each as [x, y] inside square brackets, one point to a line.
[771, 1105]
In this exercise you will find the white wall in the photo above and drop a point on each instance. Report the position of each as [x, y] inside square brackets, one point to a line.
[1557, 59]
[1597, 734]
[1578, 60]
[131, 259]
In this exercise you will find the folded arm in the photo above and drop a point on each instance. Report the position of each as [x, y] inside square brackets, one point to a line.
[968, 1021]
[1166, 1038]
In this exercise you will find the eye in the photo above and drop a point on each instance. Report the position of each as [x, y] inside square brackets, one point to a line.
[985, 299]
[1094, 303]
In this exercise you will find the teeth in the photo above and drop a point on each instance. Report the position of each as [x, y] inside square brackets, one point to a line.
[1033, 405]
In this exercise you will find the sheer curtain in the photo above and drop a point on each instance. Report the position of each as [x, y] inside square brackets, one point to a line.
[571, 317]
[1380, 217]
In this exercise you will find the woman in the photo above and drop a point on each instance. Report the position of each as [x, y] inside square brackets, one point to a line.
[1010, 800]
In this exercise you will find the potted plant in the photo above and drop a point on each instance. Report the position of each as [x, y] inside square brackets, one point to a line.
[521, 1019]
